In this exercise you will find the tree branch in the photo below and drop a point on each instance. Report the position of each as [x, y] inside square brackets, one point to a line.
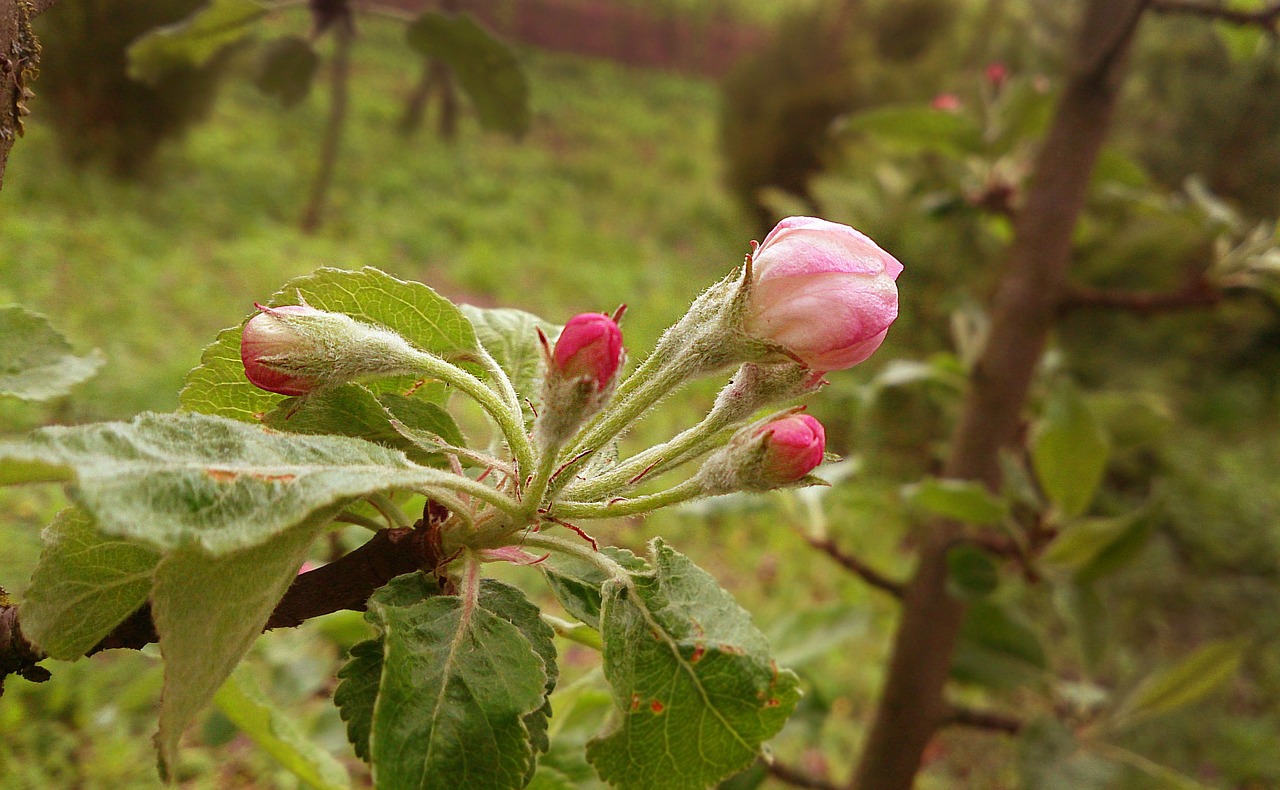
[1266, 17]
[345, 583]
[1198, 292]
[859, 568]
[794, 777]
[983, 720]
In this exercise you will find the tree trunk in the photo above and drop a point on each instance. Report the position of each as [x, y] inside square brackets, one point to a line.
[913, 702]
[339, 99]
[19, 64]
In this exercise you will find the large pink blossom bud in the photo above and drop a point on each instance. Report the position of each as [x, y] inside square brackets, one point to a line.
[793, 447]
[823, 291]
[590, 347]
[267, 339]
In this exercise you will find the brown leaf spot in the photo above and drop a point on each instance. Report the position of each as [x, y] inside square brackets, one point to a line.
[222, 475]
[698, 652]
[635, 702]
[772, 703]
[657, 707]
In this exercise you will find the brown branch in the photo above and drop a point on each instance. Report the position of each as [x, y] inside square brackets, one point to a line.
[1265, 18]
[1197, 293]
[795, 777]
[346, 583]
[983, 720]
[330, 147]
[857, 567]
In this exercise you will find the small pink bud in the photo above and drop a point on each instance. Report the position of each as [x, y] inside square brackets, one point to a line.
[996, 74]
[590, 346]
[947, 102]
[794, 447]
[266, 338]
[823, 291]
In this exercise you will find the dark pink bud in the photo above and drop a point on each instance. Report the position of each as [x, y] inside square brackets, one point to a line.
[793, 447]
[996, 74]
[590, 346]
[947, 102]
[267, 340]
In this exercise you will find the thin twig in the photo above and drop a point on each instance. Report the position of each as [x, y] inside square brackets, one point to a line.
[1197, 293]
[983, 720]
[794, 777]
[1265, 17]
[859, 568]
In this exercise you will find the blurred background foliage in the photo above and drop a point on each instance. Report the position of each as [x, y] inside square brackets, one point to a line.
[144, 220]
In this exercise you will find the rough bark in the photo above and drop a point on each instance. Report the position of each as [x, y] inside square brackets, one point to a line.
[912, 705]
[19, 65]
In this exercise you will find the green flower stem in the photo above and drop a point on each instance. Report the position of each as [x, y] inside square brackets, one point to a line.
[538, 540]
[435, 478]
[389, 510]
[689, 489]
[581, 633]
[684, 446]
[347, 517]
[537, 488]
[510, 423]
[504, 382]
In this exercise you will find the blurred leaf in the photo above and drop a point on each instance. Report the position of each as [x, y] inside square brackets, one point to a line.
[1165, 776]
[1119, 553]
[810, 633]
[84, 585]
[1189, 681]
[1050, 758]
[1080, 542]
[971, 572]
[1069, 451]
[287, 69]
[189, 480]
[942, 368]
[997, 649]
[194, 40]
[36, 362]
[486, 67]
[961, 500]
[418, 314]
[695, 688]
[511, 337]
[915, 128]
[548, 778]
[1091, 620]
[1117, 166]
[274, 731]
[208, 610]
[1132, 419]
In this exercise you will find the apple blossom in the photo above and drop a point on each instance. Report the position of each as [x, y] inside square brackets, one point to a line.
[823, 291]
[590, 347]
[793, 447]
[266, 339]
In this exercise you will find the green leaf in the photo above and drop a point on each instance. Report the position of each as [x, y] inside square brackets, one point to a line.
[287, 69]
[84, 586]
[696, 689]
[961, 500]
[1069, 451]
[36, 362]
[486, 67]
[458, 682]
[913, 128]
[175, 480]
[194, 40]
[208, 611]
[1095, 547]
[511, 337]
[274, 731]
[971, 572]
[511, 605]
[809, 633]
[1185, 683]
[577, 584]
[357, 693]
[1091, 619]
[548, 778]
[997, 649]
[353, 410]
[418, 314]
[1051, 758]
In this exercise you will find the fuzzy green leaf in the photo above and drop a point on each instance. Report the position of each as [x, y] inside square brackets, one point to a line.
[1069, 451]
[486, 67]
[84, 585]
[457, 682]
[577, 584]
[36, 362]
[194, 40]
[287, 69]
[174, 480]
[696, 688]
[418, 314]
[511, 337]
[358, 692]
[274, 731]
[511, 605]
[208, 611]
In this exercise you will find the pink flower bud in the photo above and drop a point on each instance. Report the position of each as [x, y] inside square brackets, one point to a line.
[590, 346]
[947, 102]
[267, 338]
[823, 291]
[996, 74]
[794, 447]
